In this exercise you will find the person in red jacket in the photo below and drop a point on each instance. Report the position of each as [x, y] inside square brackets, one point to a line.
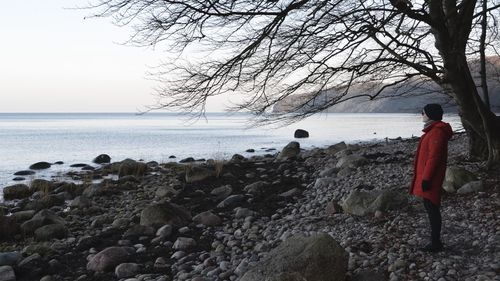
[430, 169]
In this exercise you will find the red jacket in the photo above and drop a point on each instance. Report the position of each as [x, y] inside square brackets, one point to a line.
[430, 161]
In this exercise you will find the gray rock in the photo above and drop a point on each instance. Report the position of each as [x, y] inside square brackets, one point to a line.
[318, 257]
[243, 213]
[165, 213]
[17, 191]
[231, 201]
[184, 243]
[23, 215]
[256, 188]
[222, 192]
[207, 218]
[291, 193]
[164, 231]
[196, 173]
[129, 167]
[290, 151]
[166, 191]
[51, 231]
[456, 177]
[322, 183]
[108, 259]
[42, 185]
[7, 273]
[361, 203]
[352, 161]
[94, 190]
[80, 202]
[10, 258]
[43, 217]
[471, 187]
[139, 230]
[126, 270]
[333, 149]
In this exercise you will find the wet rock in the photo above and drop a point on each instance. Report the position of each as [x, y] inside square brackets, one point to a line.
[318, 257]
[207, 218]
[43, 217]
[10, 258]
[187, 160]
[300, 133]
[17, 191]
[333, 149]
[290, 151]
[40, 166]
[165, 213]
[24, 173]
[102, 159]
[51, 231]
[237, 158]
[42, 185]
[108, 259]
[7, 273]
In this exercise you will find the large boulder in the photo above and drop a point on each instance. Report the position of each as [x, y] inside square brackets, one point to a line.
[24, 173]
[44, 217]
[108, 259]
[166, 191]
[17, 191]
[129, 167]
[102, 159]
[40, 166]
[300, 133]
[290, 151]
[315, 258]
[165, 213]
[361, 203]
[456, 177]
[196, 173]
[51, 231]
[42, 185]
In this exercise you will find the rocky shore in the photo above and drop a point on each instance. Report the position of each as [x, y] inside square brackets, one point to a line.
[338, 213]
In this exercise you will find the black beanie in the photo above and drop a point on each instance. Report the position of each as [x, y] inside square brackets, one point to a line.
[434, 111]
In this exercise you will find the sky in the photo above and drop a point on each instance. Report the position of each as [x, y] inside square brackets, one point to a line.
[53, 59]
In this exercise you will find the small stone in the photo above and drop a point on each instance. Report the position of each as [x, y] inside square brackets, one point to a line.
[125, 270]
[184, 243]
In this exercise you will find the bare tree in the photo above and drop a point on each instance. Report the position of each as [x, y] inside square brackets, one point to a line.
[268, 50]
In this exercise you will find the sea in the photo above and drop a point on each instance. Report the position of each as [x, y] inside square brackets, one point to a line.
[26, 138]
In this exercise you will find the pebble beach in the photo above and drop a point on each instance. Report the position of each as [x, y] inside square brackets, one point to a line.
[233, 219]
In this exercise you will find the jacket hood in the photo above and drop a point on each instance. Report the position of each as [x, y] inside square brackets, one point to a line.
[439, 125]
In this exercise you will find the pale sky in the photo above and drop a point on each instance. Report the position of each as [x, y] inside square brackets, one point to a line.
[54, 60]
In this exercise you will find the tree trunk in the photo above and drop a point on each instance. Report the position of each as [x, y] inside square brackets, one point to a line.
[482, 125]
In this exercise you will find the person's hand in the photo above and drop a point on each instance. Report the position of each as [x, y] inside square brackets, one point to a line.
[426, 185]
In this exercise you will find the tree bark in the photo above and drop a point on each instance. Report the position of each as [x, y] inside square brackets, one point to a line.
[482, 125]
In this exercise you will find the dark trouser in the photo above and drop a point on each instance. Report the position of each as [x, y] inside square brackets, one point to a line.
[435, 220]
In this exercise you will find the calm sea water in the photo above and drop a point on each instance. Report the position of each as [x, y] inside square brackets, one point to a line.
[78, 138]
